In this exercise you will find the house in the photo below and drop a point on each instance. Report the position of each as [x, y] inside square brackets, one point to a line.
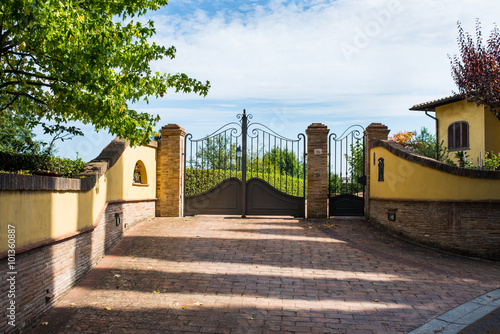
[463, 125]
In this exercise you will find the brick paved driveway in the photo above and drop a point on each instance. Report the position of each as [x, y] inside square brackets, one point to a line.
[231, 275]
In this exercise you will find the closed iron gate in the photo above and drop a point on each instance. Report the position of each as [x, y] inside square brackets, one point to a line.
[346, 176]
[244, 168]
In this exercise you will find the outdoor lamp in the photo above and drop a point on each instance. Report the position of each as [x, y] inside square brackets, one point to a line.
[238, 152]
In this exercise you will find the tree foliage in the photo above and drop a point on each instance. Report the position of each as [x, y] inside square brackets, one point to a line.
[21, 153]
[18, 138]
[214, 153]
[84, 60]
[283, 161]
[356, 159]
[476, 71]
[403, 138]
[220, 153]
[424, 143]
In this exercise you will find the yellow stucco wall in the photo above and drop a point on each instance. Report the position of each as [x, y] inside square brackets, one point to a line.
[119, 182]
[43, 215]
[472, 114]
[407, 180]
[492, 126]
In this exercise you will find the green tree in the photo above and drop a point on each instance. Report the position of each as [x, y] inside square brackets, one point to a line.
[356, 159]
[17, 137]
[84, 60]
[215, 153]
[425, 143]
[283, 161]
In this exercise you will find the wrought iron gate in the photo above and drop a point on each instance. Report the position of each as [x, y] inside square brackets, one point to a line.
[346, 177]
[245, 168]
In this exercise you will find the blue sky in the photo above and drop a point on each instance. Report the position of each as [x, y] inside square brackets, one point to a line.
[293, 63]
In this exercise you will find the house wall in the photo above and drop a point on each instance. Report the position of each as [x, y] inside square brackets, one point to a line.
[61, 227]
[463, 111]
[492, 126]
[435, 204]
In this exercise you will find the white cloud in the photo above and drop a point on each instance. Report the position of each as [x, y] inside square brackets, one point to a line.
[304, 53]
[297, 62]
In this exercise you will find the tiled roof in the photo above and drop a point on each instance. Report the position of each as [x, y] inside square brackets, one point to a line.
[431, 105]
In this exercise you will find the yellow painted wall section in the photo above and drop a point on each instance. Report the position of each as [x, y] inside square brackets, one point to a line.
[44, 215]
[120, 178]
[492, 126]
[472, 114]
[407, 180]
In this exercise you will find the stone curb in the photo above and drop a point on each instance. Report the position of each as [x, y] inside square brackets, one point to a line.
[461, 317]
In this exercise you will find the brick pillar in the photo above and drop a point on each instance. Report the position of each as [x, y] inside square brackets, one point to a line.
[317, 170]
[373, 132]
[169, 178]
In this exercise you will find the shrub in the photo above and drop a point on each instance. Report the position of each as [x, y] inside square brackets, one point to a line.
[200, 180]
[491, 161]
[15, 162]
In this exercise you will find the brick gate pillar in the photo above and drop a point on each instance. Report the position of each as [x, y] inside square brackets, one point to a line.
[169, 178]
[317, 170]
[373, 132]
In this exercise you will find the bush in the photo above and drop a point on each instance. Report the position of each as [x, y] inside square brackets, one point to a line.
[15, 162]
[200, 180]
[491, 161]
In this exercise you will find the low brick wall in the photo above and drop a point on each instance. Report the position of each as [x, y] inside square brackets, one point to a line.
[45, 273]
[465, 227]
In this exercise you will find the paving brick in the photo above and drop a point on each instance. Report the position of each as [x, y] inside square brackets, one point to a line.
[217, 275]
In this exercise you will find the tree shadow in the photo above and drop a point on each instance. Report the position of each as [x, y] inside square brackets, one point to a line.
[272, 284]
[163, 316]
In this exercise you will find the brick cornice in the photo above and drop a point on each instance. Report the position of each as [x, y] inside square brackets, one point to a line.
[411, 156]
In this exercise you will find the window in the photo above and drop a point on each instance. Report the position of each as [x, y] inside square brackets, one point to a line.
[458, 136]
[140, 176]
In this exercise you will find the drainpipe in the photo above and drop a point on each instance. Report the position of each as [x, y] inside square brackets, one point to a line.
[437, 133]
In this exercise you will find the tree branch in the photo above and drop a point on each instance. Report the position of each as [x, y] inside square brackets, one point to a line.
[25, 94]
[10, 103]
[32, 83]
[17, 72]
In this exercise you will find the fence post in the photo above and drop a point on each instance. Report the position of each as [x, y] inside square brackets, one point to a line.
[169, 178]
[373, 132]
[317, 170]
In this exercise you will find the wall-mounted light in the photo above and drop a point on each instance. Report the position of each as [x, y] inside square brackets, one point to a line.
[391, 214]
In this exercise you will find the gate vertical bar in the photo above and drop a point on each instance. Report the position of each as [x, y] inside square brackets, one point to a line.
[244, 128]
